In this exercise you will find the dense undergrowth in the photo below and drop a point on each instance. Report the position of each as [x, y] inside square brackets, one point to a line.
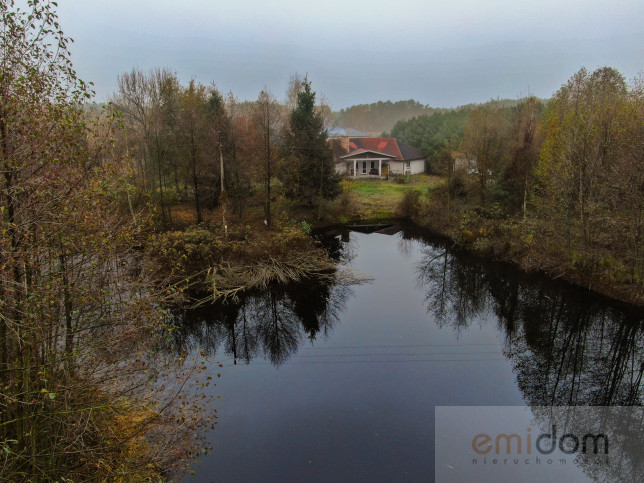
[206, 261]
[532, 243]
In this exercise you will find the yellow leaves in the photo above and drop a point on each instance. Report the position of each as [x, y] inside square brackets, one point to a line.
[47, 393]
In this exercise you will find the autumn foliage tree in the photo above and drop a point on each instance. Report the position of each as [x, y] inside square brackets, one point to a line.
[485, 142]
[590, 172]
[564, 175]
[192, 133]
[266, 122]
[73, 309]
[524, 144]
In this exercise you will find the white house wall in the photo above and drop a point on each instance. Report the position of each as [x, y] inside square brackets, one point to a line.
[396, 167]
[415, 167]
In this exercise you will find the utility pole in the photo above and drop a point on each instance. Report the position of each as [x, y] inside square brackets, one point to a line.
[268, 163]
[221, 162]
[223, 196]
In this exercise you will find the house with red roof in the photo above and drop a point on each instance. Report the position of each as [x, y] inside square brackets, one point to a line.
[376, 157]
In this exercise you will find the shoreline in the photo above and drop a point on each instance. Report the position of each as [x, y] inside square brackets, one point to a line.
[608, 293]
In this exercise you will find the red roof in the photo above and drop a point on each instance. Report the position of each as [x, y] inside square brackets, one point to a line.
[386, 146]
[380, 145]
[346, 147]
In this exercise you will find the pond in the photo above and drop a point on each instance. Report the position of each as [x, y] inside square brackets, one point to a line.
[328, 381]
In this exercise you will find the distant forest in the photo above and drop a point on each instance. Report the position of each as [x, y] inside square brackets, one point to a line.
[382, 116]
[446, 130]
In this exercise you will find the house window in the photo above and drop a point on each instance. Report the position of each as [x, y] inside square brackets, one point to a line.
[364, 167]
[407, 164]
[373, 164]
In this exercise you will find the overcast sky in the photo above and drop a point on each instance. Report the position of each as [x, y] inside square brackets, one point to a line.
[442, 53]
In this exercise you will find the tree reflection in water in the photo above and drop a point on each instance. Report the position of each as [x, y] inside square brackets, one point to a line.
[568, 348]
[270, 324]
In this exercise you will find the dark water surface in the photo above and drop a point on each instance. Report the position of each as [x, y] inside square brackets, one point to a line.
[330, 382]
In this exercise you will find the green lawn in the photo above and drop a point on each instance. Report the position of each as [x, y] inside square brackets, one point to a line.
[378, 198]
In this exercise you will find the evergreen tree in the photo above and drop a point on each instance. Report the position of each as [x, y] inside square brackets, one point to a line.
[309, 171]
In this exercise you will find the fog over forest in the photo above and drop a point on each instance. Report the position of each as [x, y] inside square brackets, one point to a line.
[443, 54]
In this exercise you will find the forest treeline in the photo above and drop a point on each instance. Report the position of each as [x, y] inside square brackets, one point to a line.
[558, 187]
[190, 144]
[380, 116]
[442, 129]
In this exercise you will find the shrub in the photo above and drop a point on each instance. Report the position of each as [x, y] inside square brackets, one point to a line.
[409, 206]
[170, 196]
[348, 202]
[305, 227]
[458, 184]
[185, 256]
[492, 211]
[402, 178]
[343, 208]
[178, 255]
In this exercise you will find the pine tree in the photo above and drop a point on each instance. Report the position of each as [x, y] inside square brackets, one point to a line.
[309, 171]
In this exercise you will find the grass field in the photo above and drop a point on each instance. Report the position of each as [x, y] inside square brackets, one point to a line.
[372, 199]
[378, 198]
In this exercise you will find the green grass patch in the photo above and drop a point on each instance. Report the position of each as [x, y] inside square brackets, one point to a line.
[378, 198]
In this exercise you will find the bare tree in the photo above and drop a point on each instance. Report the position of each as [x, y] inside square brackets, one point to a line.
[525, 141]
[484, 142]
[267, 118]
